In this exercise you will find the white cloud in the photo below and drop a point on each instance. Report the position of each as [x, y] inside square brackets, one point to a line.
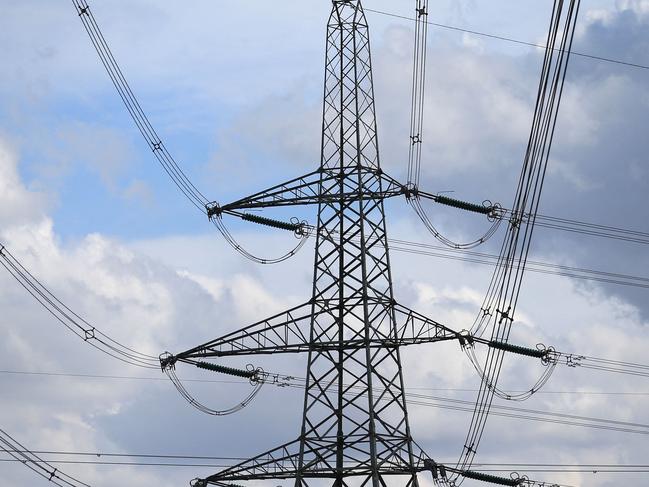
[181, 290]
[17, 203]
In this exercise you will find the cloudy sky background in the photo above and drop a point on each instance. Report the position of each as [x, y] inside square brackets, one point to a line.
[234, 89]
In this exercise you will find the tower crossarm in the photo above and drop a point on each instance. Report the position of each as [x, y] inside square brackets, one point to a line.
[306, 190]
[288, 332]
[318, 462]
[414, 328]
[280, 462]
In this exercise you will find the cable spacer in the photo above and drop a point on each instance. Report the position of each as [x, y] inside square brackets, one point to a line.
[574, 360]
[516, 219]
[89, 334]
[504, 315]
[83, 10]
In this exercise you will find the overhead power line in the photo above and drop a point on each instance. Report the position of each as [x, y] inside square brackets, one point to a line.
[352, 282]
[245, 382]
[509, 39]
[36, 464]
[486, 467]
[71, 320]
[512, 412]
[104, 343]
[575, 272]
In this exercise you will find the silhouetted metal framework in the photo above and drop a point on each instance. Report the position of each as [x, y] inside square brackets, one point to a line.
[355, 426]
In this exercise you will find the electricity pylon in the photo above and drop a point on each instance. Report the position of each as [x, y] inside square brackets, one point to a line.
[355, 427]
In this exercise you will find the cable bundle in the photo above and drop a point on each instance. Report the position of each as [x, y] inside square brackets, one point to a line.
[416, 205]
[71, 320]
[35, 463]
[153, 140]
[417, 96]
[416, 134]
[499, 306]
[257, 384]
[302, 235]
[600, 364]
[510, 396]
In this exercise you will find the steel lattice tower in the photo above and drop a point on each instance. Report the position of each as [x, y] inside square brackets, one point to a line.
[355, 427]
[352, 286]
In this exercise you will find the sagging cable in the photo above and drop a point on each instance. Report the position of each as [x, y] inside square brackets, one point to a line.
[300, 230]
[440, 474]
[546, 355]
[153, 140]
[507, 281]
[69, 318]
[168, 364]
[37, 464]
[495, 223]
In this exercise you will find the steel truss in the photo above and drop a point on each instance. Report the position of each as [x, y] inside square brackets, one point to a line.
[355, 427]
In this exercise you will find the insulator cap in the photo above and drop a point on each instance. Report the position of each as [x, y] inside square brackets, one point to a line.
[492, 479]
[271, 222]
[246, 374]
[463, 205]
[508, 347]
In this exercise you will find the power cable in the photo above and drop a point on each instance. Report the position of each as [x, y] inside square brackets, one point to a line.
[153, 140]
[454, 404]
[90, 334]
[575, 272]
[71, 320]
[245, 382]
[499, 306]
[180, 178]
[417, 93]
[509, 39]
[19, 453]
[487, 467]
[134, 108]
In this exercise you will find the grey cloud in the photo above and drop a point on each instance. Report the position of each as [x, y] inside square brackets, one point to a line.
[129, 291]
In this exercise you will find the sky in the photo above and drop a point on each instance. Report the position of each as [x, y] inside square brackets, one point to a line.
[234, 89]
